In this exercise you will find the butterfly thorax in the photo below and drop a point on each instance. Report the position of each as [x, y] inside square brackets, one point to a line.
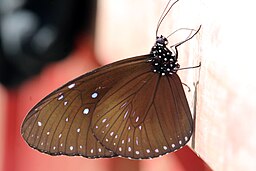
[163, 60]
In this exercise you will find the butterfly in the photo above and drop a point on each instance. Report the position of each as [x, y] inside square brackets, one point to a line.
[134, 108]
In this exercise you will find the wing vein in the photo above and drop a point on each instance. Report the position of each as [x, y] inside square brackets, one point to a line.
[176, 107]
[157, 115]
[47, 120]
[120, 102]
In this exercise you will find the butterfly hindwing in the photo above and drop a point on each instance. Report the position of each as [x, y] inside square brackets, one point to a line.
[150, 118]
[61, 122]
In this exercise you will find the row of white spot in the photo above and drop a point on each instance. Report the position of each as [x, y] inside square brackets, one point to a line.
[93, 95]
[120, 148]
[71, 148]
[116, 136]
[61, 96]
[111, 133]
[48, 133]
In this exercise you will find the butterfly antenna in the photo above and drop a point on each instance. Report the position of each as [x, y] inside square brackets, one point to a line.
[179, 30]
[188, 38]
[163, 15]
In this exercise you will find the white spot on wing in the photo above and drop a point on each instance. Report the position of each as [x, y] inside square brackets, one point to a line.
[71, 85]
[94, 95]
[86, 111]
[156, 150]
[78, 130]
[129, 149]
[164, 147]
[173, 145]
[71, 148]
[66, 119]
[137, 119]
[39, 123]
[133, 113]
[104, 120]
[123, 105]
[137, 140]
[126, 113]
[60, 97]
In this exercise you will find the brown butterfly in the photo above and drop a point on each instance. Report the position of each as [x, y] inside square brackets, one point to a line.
[134, 108]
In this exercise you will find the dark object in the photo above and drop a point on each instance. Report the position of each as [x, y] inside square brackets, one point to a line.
[36, 33]
[134, 108]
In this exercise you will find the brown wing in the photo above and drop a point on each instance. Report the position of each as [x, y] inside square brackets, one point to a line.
[144, 117]
[61, 122]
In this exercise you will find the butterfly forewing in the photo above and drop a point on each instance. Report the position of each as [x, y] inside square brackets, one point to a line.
[61, 122]
[146, 117]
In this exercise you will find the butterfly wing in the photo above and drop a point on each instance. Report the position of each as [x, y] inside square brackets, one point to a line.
[144, 117]
[61, 122]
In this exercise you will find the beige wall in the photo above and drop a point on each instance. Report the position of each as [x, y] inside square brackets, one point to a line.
[226, 106]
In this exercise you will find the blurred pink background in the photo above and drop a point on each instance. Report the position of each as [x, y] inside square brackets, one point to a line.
[124, 29]
[16, 155]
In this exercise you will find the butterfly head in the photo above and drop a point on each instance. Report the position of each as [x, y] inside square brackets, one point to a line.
[161, 40]
[164, 61]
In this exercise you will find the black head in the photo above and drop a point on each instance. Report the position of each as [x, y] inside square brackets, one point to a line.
[163, 60]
